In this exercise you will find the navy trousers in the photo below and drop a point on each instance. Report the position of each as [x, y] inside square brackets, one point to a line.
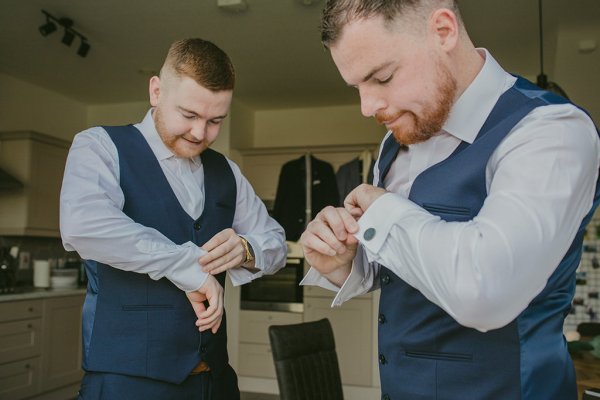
[106, 386]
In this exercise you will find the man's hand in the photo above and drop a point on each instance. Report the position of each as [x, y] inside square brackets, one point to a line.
[361, 198]
[329, 244]
[224, 251]
[208, 318]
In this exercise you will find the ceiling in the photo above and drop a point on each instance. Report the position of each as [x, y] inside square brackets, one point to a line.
[274, 45]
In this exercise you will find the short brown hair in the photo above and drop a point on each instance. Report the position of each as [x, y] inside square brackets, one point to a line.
[337, 13]
[202, 61]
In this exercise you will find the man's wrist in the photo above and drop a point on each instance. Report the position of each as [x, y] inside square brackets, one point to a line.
[248, 250]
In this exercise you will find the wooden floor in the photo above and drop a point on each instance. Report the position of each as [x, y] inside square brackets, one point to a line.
[587, 368]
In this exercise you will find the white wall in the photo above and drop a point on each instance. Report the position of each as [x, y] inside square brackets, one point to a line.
[24, 106]
[117, 113]
[574, 77]
[242, 125]
[336, 125]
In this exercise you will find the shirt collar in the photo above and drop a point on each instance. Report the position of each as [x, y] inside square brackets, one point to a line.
[160, 150]
[474, 105]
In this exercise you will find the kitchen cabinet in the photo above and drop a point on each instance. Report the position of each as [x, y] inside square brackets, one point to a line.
[38, 161]
[20, 348]
[256, 358]
[61, 361]
[40, 347]
[353, 332]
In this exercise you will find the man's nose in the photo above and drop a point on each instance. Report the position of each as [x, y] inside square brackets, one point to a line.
[370, 102]
[198, 130]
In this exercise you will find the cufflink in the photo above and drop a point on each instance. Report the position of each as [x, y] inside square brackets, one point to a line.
[369, 234]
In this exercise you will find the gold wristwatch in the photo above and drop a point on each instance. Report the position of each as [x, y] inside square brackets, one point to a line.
[249, 251]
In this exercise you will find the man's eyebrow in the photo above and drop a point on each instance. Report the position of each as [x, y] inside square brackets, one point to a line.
[187, 111]
[375, 70]
[198, 115]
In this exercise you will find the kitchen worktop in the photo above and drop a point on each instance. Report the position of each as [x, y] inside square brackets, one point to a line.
[34, 293]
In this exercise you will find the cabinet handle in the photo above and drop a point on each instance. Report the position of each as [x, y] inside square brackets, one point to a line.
[29, 326]
[27, 366]
[30, 309]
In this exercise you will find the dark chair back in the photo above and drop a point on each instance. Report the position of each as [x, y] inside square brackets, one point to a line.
[306, 361]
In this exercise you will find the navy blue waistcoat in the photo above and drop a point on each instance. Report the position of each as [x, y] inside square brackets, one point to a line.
[424, 353]
[138, 326]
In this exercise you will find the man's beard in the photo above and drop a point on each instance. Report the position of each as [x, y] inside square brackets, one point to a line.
[430, 123]
[171, 140]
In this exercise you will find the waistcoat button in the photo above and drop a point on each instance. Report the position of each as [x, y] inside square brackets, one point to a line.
[197, 226]
[382, 359]
[385, 397]
[381, 319]
[385, 279]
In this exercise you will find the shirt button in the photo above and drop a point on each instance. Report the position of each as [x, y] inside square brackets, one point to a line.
[197, 226]
[382, 359]
[381, 319]
[385, 279]
[369, 234]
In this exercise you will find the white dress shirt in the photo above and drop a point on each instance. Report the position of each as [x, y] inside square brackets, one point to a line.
[93, 224]
[540, 182]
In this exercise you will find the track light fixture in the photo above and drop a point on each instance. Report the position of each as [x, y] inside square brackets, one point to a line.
[68, 36]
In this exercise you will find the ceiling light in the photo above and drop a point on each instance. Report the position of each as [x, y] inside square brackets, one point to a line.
[68, 37]
[84, 47]
[47, 28]
[69, 33]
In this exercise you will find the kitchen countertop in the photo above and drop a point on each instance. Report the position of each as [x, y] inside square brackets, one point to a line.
[34, 293]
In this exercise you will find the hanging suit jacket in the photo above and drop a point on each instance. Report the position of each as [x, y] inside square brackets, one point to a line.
[290, 201]
[138, 326]
[424, 353]
[349, 176]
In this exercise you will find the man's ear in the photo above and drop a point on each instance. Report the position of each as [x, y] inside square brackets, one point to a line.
[154, 90]
[444, 25]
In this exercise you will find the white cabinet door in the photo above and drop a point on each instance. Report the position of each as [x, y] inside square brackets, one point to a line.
[256, 360]
[61, 349]
[254, 325]
[352, 327]
[255, 357]
[38, 161]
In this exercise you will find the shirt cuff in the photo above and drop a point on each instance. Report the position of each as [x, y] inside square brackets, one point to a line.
[240, 276]
[358, 282]
[192, 278]
[314, 278]
[375, 224]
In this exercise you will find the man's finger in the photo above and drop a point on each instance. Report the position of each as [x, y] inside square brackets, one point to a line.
[315, 243]
[218, 239]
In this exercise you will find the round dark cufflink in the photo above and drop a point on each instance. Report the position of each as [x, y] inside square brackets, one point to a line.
[369, 234]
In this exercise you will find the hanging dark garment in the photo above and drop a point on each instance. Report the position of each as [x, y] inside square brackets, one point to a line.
[290, 201]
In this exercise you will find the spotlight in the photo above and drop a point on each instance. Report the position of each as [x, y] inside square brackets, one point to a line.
[68, 37]
[84, 47]
[69, 34]
[47, 28]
